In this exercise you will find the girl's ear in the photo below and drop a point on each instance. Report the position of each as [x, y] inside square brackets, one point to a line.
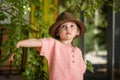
[78, 33]
[57, 33]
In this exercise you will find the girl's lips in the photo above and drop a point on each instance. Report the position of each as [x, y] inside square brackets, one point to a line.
[68, 33]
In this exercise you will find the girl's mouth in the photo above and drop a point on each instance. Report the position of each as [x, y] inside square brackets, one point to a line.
[68, 33]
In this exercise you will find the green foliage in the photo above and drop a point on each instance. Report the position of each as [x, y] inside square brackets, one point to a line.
[15, 26]
[88, 7]
[34, 69]
[14, 20]
[89, 66]
[89, 37]
[115, 4]
[2, 16]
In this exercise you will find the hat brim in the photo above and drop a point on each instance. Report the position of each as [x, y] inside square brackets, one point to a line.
[54, 26]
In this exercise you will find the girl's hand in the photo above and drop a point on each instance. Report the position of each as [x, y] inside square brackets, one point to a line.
[18, 45]
[11, 59]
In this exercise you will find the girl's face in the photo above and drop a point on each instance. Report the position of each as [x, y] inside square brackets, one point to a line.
[68, 31]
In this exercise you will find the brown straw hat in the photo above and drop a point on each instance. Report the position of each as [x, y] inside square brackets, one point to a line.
[65, 17]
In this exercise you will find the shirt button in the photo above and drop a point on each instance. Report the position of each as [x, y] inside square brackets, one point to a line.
[72, 50]
[73, 61]
[73, 56]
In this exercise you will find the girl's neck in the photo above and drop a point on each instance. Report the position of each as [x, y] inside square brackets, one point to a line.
[67, 42]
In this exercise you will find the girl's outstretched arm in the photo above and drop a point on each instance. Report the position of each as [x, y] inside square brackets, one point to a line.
[29, 43]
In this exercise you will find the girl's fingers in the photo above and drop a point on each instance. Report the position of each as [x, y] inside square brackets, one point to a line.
[11, 59]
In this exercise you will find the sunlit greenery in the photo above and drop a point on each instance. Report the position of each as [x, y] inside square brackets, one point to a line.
[22, 20]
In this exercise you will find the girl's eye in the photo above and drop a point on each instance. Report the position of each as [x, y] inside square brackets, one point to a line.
[63, 26]
[72, 25]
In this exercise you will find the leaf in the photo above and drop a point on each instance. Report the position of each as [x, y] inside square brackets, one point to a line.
[89, 66]
[2, 16]
[4, 59]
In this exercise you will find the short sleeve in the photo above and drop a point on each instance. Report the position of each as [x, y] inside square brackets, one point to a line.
[45, 48]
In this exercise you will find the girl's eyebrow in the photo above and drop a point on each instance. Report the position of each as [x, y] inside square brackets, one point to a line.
[62, 24]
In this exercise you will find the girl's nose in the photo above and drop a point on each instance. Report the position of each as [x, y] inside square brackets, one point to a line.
[67, 27]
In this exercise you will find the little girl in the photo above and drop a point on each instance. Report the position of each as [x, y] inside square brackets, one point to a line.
[65, 61]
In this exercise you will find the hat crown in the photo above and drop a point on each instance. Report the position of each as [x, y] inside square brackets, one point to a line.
[65, 16]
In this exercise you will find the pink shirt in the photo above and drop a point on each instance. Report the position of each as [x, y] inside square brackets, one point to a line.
[64, 63]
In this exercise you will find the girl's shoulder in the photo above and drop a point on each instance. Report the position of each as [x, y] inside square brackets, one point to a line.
[78, 49]
[49, 39]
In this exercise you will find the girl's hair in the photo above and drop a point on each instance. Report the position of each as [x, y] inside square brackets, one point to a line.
[57, 33]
